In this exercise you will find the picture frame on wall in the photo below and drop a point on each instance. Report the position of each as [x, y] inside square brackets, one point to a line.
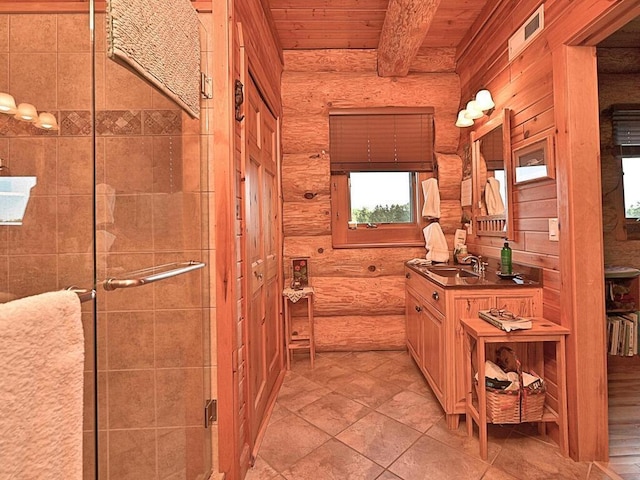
[533, 159]
[299, 273]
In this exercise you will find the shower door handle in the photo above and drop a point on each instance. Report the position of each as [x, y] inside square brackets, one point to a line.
[152, 274]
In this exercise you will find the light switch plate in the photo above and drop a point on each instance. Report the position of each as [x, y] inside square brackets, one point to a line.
[553, 230]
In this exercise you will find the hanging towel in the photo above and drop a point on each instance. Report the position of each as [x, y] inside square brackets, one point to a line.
[435, 243]
[41, 387]
[431, 207]
[492, 197]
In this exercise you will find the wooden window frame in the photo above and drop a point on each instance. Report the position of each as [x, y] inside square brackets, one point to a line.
[384, 234]
[363, 140]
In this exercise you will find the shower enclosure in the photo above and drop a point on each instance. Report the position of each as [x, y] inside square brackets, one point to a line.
[121, 185]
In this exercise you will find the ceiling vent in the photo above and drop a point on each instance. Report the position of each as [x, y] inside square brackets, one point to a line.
[526, 33]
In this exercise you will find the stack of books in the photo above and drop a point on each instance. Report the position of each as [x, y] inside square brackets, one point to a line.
[623, 334]
[504, 320]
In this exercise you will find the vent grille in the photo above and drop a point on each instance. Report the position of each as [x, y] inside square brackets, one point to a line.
[526, 33]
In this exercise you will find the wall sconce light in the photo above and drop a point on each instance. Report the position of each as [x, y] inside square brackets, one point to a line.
[476, 108]
[7, 104]
[26, 112]
[46, 121]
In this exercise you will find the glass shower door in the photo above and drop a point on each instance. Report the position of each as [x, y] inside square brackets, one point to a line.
[152, 335]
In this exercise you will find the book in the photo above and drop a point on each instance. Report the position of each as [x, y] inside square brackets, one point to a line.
[504, 323]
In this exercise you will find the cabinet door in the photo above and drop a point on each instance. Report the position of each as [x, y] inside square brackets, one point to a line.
[465, 306]
[414, 327]
[433, 349]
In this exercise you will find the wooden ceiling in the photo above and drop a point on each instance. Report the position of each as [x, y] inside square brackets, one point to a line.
[397, 29]
[321, 24]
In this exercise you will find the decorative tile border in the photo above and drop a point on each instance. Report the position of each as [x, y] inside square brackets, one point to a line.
[108, 122]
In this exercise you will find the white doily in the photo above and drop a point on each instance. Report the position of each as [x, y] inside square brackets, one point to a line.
[295, 295]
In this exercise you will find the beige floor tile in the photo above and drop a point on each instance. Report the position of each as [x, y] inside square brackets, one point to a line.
[365, 389]
[459, 439]
[521, 454]
[413, 410]
[299, 392]
[288, 440]
[388, 476]
[496, 474]
[333, 413]
[364, 361]
[333, 461]
[430, 459]
[261, 470]
[379, 438]
[397, 372]
[325, 374]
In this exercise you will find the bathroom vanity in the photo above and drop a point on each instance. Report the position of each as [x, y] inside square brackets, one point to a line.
[437, 297]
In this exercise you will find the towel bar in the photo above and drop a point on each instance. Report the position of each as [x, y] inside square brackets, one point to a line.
[152, 274]
[83, 294]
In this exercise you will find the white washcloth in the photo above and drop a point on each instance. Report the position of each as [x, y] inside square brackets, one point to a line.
[105, 203]
[435, 243]
[431, 207]
[41, 382]
[492, 197]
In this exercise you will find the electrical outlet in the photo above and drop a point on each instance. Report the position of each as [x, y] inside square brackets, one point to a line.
[553, 230]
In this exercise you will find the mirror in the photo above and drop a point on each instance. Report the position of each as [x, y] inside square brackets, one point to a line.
[491, 152]
[533, 159]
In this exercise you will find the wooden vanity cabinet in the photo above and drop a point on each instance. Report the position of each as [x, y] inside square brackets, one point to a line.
[435, 338]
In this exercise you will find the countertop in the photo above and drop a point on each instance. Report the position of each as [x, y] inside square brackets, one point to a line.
[526, 277]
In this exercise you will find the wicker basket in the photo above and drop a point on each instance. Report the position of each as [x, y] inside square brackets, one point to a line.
[515, 406]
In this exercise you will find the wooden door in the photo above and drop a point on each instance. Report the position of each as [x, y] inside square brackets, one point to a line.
[263, 326]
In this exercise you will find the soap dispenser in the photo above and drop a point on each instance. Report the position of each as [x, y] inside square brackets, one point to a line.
[505, 259]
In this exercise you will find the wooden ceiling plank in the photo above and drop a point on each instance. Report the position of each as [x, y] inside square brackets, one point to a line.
[404, 30]
[336, 4]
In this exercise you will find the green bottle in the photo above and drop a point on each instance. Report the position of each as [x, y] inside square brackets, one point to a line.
[505, 259]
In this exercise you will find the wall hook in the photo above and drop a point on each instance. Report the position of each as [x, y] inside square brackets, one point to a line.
[239, 98]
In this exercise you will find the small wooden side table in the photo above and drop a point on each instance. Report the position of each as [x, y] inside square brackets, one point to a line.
[481, 333]
[292, 339]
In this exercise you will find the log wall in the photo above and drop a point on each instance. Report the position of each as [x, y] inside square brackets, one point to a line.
[540, 86]
[359, 292]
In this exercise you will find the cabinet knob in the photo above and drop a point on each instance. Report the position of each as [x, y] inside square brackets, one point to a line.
[435, 296]
[407, 275]
[418, 308]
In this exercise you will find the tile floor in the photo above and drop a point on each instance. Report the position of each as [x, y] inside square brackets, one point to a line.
[371, 415]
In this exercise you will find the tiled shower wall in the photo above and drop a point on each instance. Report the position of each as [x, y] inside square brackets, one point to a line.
[152, 341]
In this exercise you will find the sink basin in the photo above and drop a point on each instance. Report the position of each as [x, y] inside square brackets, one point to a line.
[451, 272]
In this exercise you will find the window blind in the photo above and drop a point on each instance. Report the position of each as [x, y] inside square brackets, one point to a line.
[626, 129]
[381, 139]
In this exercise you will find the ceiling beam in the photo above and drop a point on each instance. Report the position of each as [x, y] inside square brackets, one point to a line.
[405, 26]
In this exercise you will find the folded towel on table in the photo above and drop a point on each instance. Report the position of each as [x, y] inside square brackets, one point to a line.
[41, 393]
[431, 207]
[435, 243]
[492, 197]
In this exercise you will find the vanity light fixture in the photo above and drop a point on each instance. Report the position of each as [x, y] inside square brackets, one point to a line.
[26, 112]
[46, 121]
[476, 108]
[7, 104]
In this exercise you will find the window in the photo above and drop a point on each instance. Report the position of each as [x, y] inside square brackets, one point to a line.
[626, 138]
[378, 159]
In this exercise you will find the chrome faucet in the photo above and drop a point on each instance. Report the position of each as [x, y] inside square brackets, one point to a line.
[478, 264]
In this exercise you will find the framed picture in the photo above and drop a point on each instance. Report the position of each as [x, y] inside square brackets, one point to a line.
[533, 159]
[299, 273]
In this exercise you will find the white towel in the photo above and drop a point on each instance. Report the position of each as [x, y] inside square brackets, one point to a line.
[492, 197]
[431, 207]
[41, 382]
[435, 243]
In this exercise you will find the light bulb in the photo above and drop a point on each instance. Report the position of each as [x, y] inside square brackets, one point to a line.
[7, 104]
[473, 112]
[484, 100]
[27, 112]
[47, 121]
[463, 121]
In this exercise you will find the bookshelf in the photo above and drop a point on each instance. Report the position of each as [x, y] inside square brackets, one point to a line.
[622, 290]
